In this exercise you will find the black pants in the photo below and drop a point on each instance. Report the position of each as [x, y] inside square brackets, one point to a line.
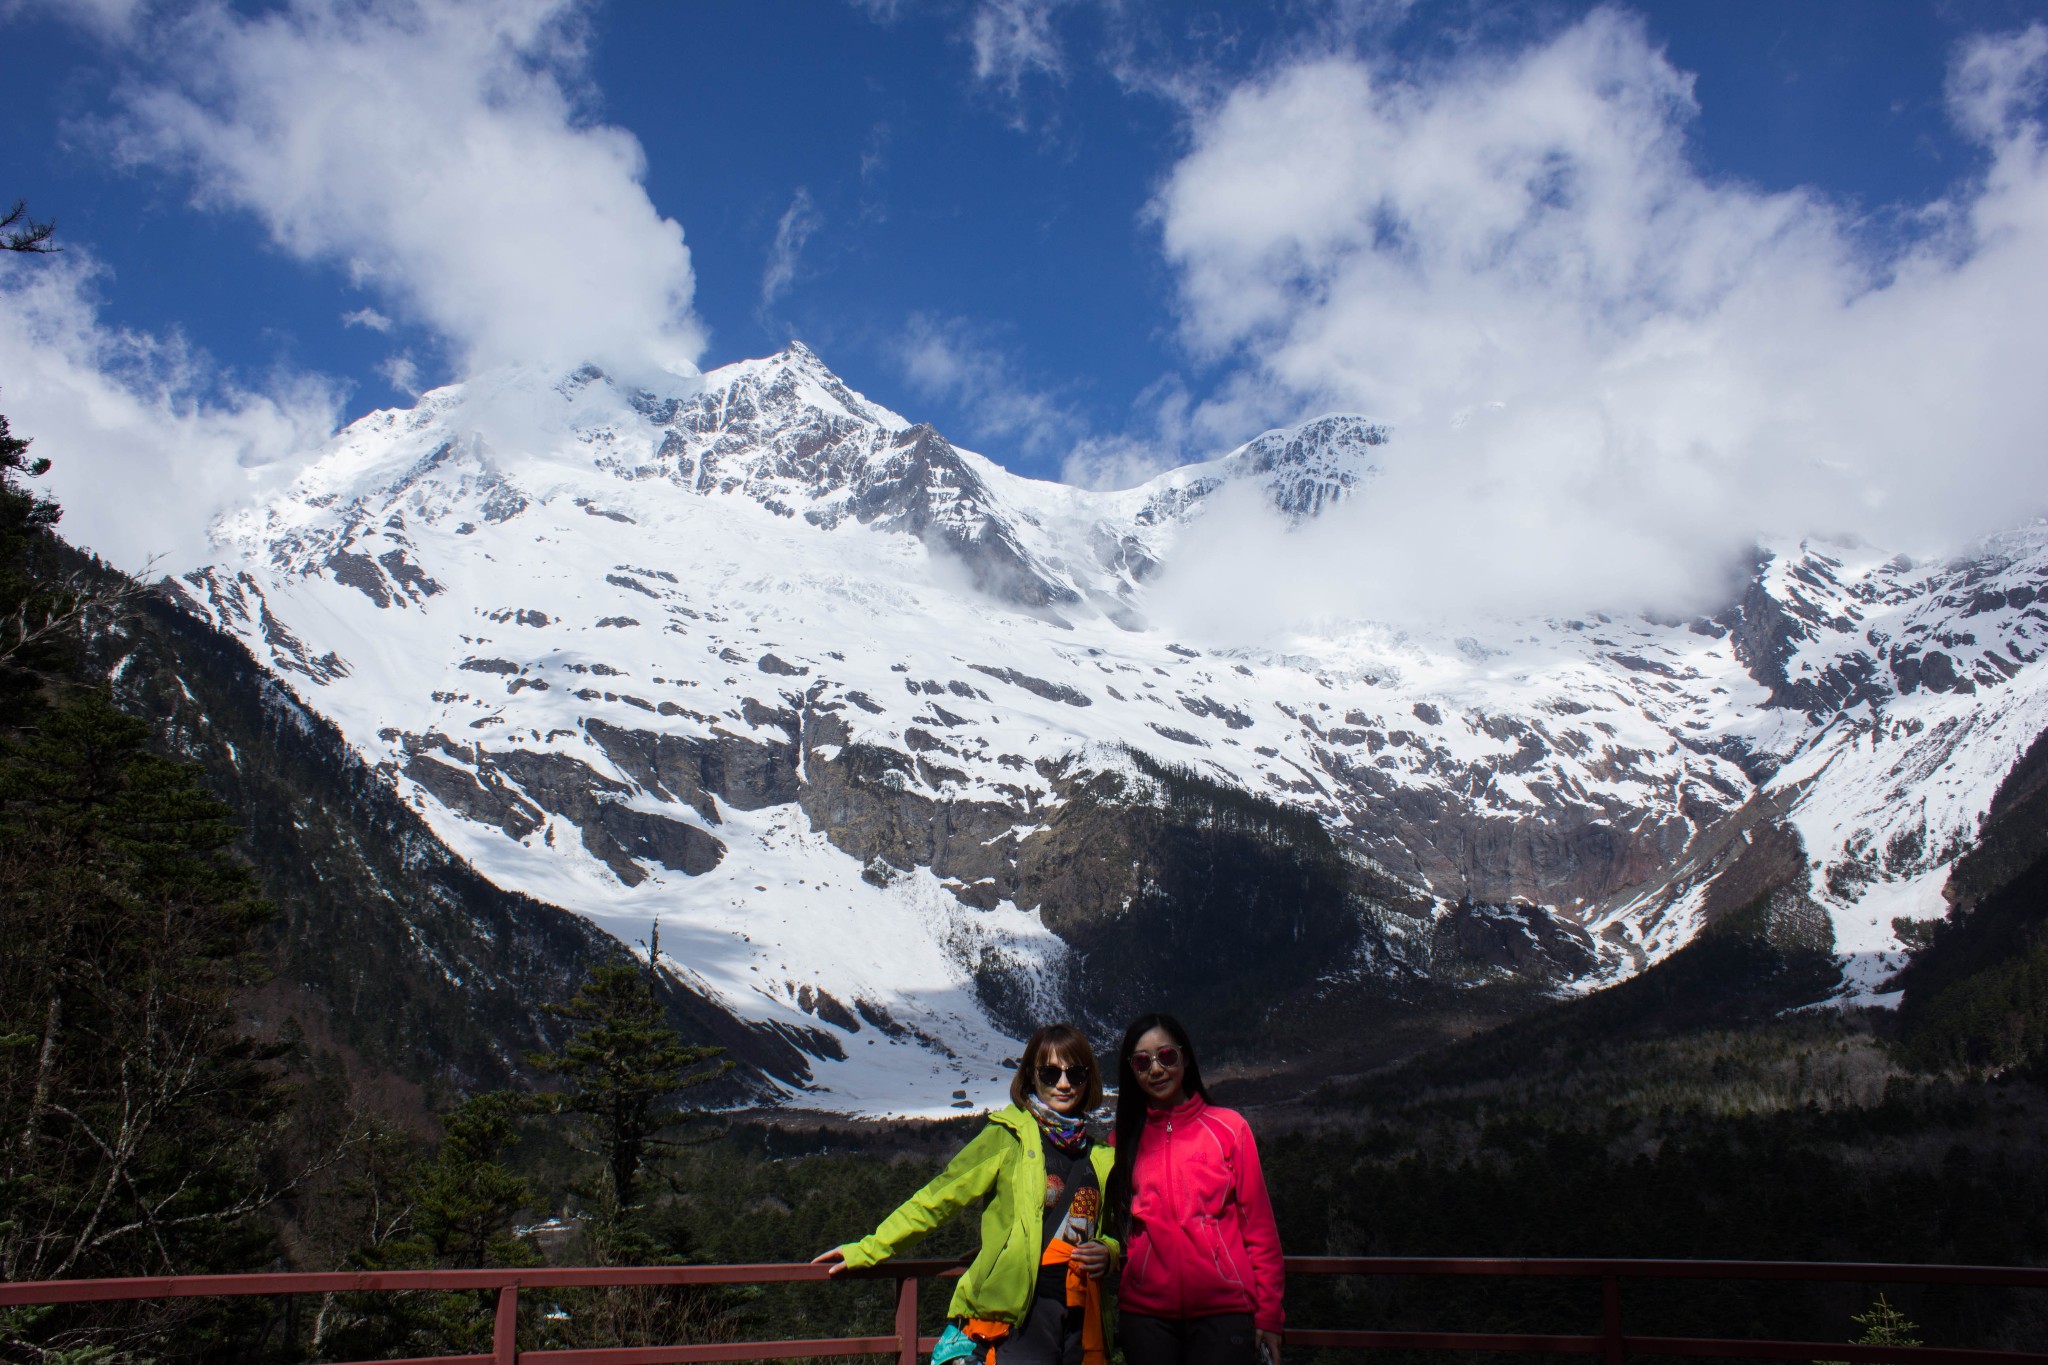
[1225, 1339]
[1049, 1335]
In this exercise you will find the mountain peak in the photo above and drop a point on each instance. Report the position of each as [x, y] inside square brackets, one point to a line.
[1303, 469]
[1312, 466]
[799, 676]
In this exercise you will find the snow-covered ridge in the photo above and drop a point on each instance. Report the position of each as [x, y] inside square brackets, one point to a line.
[627, 651]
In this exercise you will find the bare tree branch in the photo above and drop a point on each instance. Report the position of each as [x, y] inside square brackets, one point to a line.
[32, 237]
[71, 608]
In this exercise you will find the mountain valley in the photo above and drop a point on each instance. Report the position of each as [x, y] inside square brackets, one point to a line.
[892, 746]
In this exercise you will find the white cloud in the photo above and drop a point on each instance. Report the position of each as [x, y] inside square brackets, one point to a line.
[434, 149]
[1008, 42]
[954, 360]
[792, 230]
[874, 153]
[1110, 462]
[145, 444]
[950, 359]
[1128, 459]
[1662, 365]
[1011, 40]
[881, 11]
[401, 372]
[109, 18]
[366, 317]
[1997, 81]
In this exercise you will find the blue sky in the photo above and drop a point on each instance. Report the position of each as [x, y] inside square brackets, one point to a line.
[1049, 228]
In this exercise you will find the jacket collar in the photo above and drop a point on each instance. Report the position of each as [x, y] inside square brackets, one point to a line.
[1186, 1109]
[1017, 1119]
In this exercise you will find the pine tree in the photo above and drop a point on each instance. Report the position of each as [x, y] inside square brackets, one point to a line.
[26, 517]
[130, 1099]
[460, 1208]
[625, 1068]
[1883, 1325]
[466, 1201]
[26, 598]
[44, 612]
[136, 1122]
[137, 1125]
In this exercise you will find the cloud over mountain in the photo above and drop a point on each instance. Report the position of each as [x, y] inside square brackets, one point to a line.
[1610, 372]
[148, 441]
[436, 150]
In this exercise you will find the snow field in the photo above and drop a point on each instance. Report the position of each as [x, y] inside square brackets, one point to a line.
[552, 551]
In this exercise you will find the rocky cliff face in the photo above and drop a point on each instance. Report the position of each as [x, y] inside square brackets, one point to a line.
[879, 733]
[387, 947]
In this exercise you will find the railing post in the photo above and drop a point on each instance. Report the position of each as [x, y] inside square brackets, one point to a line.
[505, 1332]
[906, 1321]
[1610, 1302]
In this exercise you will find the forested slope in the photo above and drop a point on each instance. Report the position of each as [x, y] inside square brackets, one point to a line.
[386, 942]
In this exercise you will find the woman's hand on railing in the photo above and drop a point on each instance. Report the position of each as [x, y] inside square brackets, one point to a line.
[1092, 1257]
[834, 1258]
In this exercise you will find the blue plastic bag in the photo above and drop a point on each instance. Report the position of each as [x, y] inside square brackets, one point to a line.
[953, 1344]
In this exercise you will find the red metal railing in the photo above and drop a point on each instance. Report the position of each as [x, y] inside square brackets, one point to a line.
[1611, 1344]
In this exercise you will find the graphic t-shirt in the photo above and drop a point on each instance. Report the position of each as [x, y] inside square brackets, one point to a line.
[1073, 1204]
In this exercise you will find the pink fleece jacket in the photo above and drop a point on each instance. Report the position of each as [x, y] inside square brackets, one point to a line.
[1202, 1237]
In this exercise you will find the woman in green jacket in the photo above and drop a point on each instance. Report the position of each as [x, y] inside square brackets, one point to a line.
[1033, 1294]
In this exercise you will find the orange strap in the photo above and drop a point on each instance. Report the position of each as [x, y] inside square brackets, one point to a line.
[986, 1332]
[1085, 1293]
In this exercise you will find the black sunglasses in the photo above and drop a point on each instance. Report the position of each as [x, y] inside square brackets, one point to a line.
[1049, 1074]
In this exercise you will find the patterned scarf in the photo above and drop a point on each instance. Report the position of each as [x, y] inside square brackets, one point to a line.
[1068, 1133]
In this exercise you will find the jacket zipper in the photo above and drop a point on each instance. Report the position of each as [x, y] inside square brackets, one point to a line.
[1030, 1221]
[1173, 1206]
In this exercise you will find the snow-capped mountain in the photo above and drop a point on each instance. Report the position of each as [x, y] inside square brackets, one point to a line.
[828, 697]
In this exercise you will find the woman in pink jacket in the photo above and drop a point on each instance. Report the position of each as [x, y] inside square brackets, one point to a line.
[1202, 1280]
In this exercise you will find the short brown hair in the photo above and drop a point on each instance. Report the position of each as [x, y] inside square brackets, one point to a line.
[1068, 1042]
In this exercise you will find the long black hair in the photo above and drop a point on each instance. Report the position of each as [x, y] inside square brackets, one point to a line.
[1131, 1105]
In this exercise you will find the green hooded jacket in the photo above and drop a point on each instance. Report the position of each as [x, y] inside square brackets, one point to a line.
[1006, 1162]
